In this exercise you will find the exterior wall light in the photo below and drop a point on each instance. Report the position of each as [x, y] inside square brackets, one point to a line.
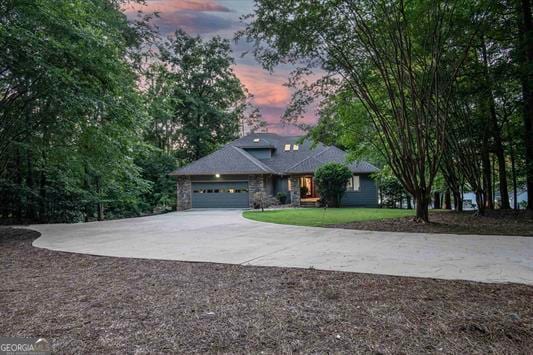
[217, 175]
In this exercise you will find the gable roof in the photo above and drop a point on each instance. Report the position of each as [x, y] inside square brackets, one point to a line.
[233, 158]
[227, 160]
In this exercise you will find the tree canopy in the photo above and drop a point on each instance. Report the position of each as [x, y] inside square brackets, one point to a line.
[92, 121]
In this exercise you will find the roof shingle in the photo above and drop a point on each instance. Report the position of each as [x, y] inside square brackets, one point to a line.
[233, 158]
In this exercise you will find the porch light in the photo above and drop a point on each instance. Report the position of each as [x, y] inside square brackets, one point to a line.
[217, 175]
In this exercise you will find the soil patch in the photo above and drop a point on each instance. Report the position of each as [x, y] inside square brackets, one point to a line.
[494, 223]
[90, 304]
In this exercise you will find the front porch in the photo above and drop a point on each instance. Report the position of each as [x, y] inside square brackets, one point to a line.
[302, 189]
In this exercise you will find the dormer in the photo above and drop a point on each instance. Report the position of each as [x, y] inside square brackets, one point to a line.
[259, 148]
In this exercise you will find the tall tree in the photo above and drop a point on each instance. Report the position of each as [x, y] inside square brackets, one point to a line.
[395, 57]
[70, 111]
[526, 75]
[205, 101]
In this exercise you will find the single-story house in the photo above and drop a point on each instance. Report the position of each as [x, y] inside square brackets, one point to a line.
[269, 163]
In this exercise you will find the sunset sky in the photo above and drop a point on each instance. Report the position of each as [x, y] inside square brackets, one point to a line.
[209, 18]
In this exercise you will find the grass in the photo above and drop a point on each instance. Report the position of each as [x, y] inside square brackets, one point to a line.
[319, 217]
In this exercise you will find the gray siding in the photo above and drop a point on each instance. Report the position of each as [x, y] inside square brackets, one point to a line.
[216, 194]
[281, 184]
[366, 197]
[259, 153]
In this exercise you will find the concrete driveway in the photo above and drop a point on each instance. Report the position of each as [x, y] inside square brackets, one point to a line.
[224, 236]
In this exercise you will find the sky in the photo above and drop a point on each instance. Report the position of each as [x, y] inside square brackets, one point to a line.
[209, 18]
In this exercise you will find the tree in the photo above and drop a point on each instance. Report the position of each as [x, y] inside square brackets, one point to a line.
[395, 58]
[197, 101]
[70, 112]
[331, 180]
[525, 55]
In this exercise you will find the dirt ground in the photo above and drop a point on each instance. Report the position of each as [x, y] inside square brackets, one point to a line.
[89, 304]
[494, 222]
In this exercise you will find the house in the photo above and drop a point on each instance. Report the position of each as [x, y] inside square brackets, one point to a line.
[270, 163]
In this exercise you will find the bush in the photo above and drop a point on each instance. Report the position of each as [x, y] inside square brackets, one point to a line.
[262, 200]
[304, 191]
[331, 180]
[282, 197]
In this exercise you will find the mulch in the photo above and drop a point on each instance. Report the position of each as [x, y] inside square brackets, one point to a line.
[91, 304]
[497, 222]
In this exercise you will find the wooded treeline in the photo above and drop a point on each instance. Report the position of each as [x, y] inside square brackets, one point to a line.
[96, 110]
[439, 92]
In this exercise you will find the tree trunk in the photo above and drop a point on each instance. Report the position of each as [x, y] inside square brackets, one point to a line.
[18, 181]
[513, 172]
[457, 201]
[447, 200]
[480, 196]
[409, 203]
[487, 178]
[422, 207]
[30, 204]
[496, 134]
[43, 213]
[436, 200]
[526, 51]
[99, 204]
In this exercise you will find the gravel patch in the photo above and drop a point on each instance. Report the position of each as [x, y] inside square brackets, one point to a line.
[90, 304]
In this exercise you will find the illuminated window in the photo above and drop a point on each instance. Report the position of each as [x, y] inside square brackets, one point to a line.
[290, 185]
[256, 140]
[287, 147]
[353, 184]
[295, 147]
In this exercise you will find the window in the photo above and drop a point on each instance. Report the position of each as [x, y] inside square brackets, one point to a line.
[287, 147]
[353, 184]
[356, 184]
[295, 147]
[290, 185]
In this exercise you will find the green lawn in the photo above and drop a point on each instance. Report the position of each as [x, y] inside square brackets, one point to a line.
[317, 217]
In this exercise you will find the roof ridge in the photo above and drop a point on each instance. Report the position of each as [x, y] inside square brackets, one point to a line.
[309, 157]
[201, 158]
[253, 160]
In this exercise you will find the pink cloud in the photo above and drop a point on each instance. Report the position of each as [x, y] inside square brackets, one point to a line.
[166, 6]
[267, 88]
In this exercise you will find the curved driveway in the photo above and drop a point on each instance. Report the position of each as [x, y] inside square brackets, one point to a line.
[224, 236]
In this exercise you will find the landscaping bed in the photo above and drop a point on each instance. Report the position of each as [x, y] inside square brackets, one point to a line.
[496, 222]
[91, 304]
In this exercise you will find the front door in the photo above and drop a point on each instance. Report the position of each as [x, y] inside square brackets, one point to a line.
[307, 187]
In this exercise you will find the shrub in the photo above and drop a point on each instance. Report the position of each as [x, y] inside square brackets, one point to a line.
[262, 200]
[304, 191]
[282, 197]
[331, 180]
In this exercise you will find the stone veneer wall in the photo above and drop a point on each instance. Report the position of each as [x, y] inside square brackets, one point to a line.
[184, 191]
[295, 190]
[256, 183]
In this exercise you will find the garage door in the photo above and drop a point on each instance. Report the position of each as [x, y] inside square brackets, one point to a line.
[231, 194]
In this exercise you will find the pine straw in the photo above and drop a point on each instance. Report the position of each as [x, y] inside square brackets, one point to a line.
[92, 304]
[496, 222]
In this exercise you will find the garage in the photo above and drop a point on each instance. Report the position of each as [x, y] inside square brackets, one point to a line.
[227, 194]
